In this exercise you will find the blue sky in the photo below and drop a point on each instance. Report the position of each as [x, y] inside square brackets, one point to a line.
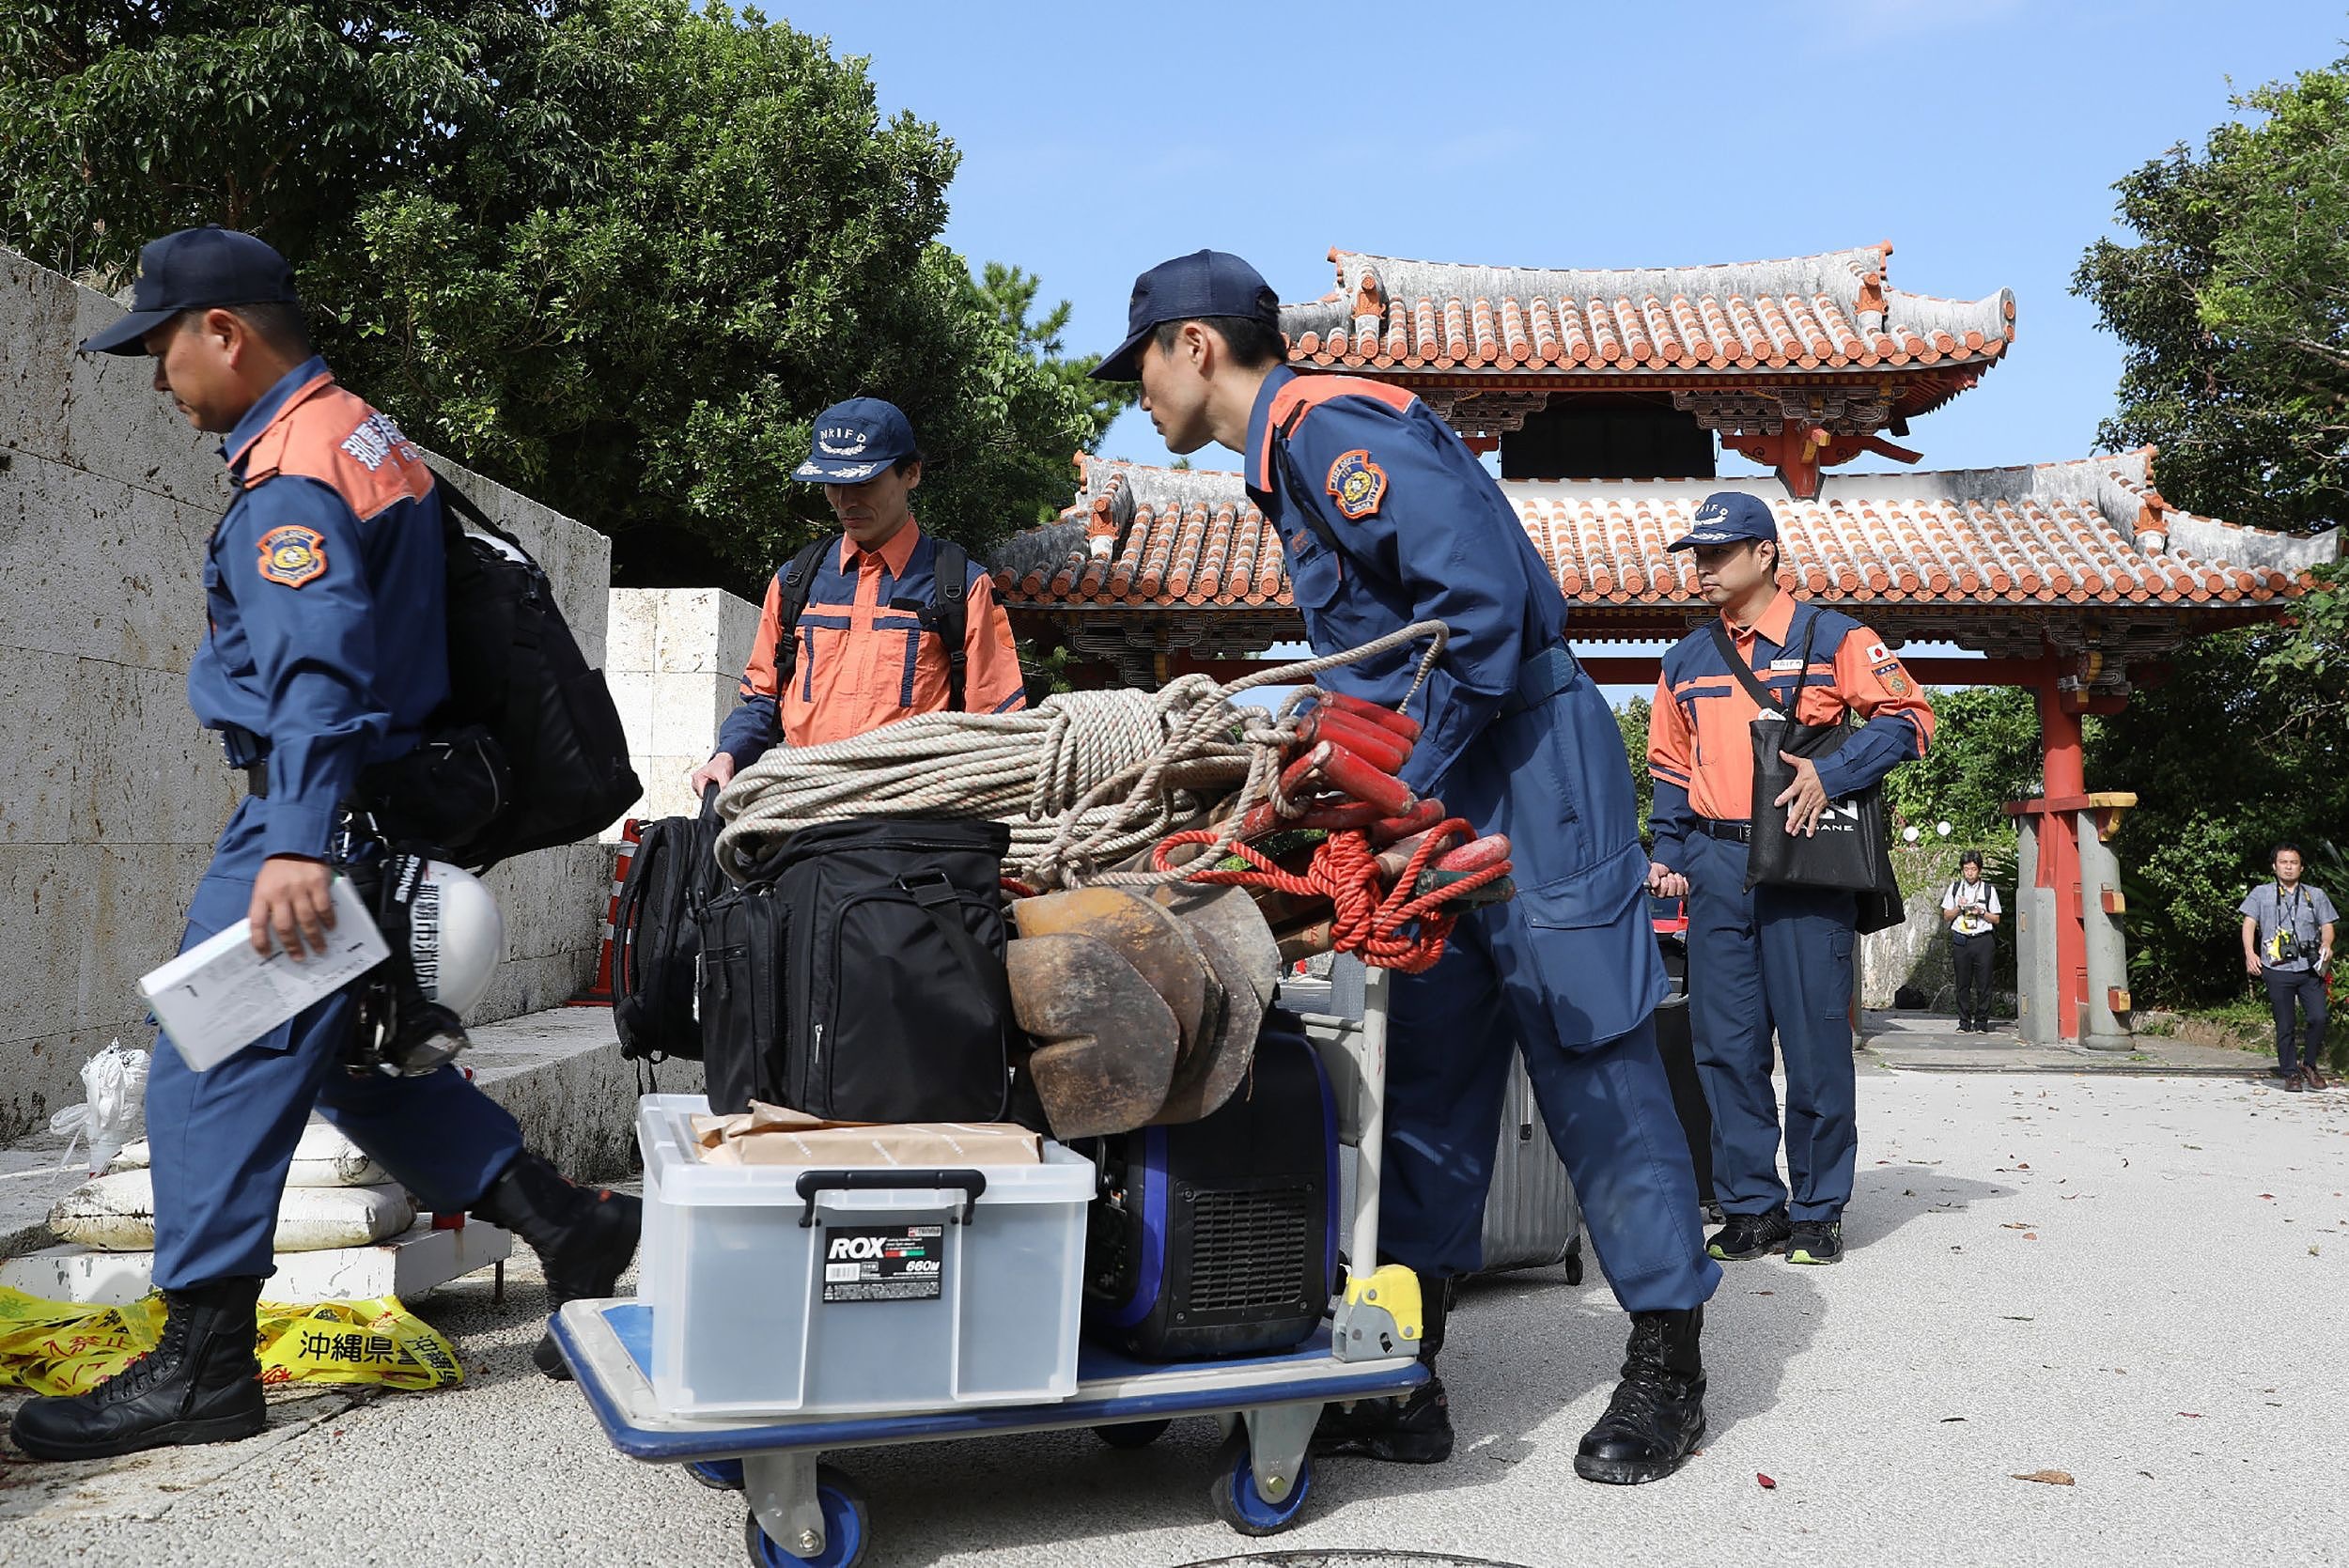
[1981, 137]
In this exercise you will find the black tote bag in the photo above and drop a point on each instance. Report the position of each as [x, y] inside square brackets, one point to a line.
[1852, 847]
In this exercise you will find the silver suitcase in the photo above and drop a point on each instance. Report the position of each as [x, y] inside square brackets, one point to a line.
[1532, 1219]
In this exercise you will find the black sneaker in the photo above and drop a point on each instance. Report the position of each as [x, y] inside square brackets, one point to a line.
[1657, 1417]
[201, 1384]
[1816, 1241]
[1750, 1235]
[1414, 1429]
[585, 1237]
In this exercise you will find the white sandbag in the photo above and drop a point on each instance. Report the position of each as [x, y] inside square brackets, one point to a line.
[116, 1214]
[324, 1158]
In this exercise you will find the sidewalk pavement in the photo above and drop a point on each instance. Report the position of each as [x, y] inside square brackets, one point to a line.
[2132, 1280]
[1930, 1043]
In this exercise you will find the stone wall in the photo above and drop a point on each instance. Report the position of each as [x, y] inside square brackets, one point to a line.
[112, 794]
[676, 658]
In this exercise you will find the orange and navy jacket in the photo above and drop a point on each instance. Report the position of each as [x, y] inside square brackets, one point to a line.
[328, 647]
[1699, 747]
[865, 660]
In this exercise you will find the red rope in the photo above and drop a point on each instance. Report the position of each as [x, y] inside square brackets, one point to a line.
[1344, 871]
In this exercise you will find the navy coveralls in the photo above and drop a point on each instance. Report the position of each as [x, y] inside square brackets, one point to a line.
[1772, 958]
[1519, 741]
[327, 651]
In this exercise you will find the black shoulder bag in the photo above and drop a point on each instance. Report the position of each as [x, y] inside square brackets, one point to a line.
[1852, 847]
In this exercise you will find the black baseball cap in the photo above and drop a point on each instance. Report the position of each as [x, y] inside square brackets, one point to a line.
[855, 440]
[195, 270]
[1726, 518]
[1205, 283]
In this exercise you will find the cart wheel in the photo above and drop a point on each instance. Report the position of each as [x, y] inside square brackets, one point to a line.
[1574, 1265]
[718, 1475]
[1237, 1502]
[1132, 1435]
[845, 1529]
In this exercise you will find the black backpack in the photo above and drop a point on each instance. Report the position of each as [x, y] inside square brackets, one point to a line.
[528, 752]
[656, 933]
[947, 615]
[860, 977]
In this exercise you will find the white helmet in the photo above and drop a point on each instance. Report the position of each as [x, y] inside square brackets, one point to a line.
[456, 934]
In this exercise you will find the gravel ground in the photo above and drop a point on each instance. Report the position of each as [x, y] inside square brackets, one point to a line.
[2122, 1279]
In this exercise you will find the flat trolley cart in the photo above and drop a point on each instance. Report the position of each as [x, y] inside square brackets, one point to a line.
[806, 1513]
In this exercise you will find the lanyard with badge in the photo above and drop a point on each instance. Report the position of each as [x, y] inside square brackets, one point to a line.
[2284, 943]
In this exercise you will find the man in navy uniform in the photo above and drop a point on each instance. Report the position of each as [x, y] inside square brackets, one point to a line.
[1387, 518]
[326, 653]
[1769, 961]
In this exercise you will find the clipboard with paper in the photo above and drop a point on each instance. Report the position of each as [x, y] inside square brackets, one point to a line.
[220, 995]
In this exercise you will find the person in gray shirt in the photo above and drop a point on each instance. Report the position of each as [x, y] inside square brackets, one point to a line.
[2287, 943]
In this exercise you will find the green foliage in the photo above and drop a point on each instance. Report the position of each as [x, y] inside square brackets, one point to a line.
[1632, 719]
[2225, 759]
[1984, 753]
[618, 253]
[2233, 307]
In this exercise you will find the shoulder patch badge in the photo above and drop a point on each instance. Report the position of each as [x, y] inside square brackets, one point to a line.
[1358, 483]
[293, 556]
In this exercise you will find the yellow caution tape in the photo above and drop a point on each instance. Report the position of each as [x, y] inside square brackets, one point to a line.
[68, 1347]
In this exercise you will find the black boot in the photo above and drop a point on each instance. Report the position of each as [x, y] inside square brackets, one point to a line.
[202, 1383]
[1657, 1417]
[1408, 1429]
[585, 1237]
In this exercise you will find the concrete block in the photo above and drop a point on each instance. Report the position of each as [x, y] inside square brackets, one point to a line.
[138, 915]
[406, 1265]
[525, 986]
[117, 425]
[562, 1076]
[38, 313]
[47, 905]
[632, 694]
[53, 714]
[92, 566]
[631, 629]
[686, 712]
[738, 628]
[553, 901]
[692, 633]
[152, 776]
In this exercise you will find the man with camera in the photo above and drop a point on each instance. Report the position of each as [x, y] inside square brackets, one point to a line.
[2288, 941]
[1970, 909]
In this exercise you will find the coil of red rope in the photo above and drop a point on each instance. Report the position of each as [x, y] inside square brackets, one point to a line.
[1386, 926]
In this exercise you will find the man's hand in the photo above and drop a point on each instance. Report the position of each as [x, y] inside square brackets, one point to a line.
[2252, 964]
[1664, 882]
[717, 770]
[1805, 798]
[290, 902]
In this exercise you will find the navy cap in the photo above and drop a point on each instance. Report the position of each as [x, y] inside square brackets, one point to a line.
[856, 439]
[195, 270]
[1727, 517]
[1205, 283]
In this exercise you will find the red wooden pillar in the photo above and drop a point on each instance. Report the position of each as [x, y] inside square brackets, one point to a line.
[2066, 780]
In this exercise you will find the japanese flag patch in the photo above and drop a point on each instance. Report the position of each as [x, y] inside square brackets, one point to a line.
[293, 556]
[1358, 484]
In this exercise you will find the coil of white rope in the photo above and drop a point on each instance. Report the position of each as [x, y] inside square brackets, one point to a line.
[1084, 779]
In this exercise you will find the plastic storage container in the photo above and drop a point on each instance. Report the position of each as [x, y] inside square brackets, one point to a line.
[897, 1297]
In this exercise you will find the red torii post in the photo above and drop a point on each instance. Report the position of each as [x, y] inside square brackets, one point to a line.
[2071, 960]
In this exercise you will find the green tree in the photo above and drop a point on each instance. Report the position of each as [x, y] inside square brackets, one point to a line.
[618, 253]
[1985, 753]
[1632, 719]
[2233, 308]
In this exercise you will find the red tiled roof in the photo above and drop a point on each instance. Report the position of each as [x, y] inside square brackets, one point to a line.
[2088, 533]
[1828, 312]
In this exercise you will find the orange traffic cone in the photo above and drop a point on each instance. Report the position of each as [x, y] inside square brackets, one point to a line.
[598, 992]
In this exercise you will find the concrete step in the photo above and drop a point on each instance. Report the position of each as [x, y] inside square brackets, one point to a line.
[405, 1265]
[559, 1072]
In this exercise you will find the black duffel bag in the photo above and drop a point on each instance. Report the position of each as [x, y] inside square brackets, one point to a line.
[1851, 849]
[656, 933]
[859, 976]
